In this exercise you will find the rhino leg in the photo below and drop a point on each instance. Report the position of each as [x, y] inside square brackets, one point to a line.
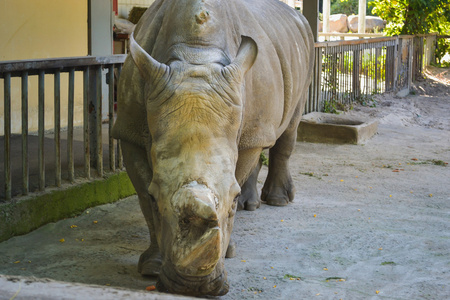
[279, 188]
[249, 199]
[140, 173]
[231, 250]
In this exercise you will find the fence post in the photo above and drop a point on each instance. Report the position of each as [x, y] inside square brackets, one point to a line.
[25, 165]
[410, 62]
[7, 144]
[57, 128]
[95, 119]
[356, 84]
[70, 116]
[395, 64]
[41, 129]
[112, 154]
[86, 121]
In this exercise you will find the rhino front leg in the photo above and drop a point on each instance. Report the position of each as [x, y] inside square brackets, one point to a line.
[140, 173]
[279, 188]
[249, 199]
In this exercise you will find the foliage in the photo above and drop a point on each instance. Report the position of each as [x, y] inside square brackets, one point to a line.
[348, 7]
[367, 100]
[136, 13]
[264, 159]
[414, 16]
[330, 107]
[442, 48]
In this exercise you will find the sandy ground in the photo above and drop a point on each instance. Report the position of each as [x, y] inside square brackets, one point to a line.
[368, 221]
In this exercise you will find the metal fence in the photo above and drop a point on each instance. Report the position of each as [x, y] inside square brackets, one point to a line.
[351, 70]
[37, 145]
[424, 49]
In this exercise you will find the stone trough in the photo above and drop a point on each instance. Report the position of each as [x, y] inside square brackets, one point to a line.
[335, 129]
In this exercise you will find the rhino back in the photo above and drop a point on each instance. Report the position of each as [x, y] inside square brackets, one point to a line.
[274, 85]
[281, 74]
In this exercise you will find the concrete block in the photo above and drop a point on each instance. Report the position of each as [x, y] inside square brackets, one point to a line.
[335, 129]
[403, 93]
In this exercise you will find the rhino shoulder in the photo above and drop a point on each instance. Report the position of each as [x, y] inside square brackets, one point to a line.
[131, 122]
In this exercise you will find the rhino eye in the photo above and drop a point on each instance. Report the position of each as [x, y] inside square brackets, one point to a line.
[153, 204]
[234, 205]
[235, 200]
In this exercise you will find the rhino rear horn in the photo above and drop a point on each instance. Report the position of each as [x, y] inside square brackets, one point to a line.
[246, 56]
[150, 68]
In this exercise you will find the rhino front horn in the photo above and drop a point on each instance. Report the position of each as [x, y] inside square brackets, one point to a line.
[150, 68]
[198, 245]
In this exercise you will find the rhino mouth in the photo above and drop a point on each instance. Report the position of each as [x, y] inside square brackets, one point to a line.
[170, 281]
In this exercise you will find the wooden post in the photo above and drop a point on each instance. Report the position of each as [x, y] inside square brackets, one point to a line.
[86, 126]
[41, 130]
[100, 24]
[70, 159]
[311, 13]
[361, 16]
[57, 128]
[326, 16]
[7, 144]
[25, 166]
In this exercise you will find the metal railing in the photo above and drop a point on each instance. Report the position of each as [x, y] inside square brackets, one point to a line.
[346, 70]
[92, 151]
[424, 48]
[349, 70]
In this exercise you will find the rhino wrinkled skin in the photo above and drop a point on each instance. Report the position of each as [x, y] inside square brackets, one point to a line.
[209, 84]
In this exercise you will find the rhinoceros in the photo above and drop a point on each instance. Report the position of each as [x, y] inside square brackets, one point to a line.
[209, 84]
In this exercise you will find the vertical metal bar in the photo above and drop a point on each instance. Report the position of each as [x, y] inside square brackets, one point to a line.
[347, 74]
[316, 73]
[326, 74]
[376, 72]
[410, 62]
[355, 74]
[41, 129]
[87, 157]
[395, 63]
[99, 152]
[7, 145]
[389, 64]
[57, 131]
[25, 164]
[365, 70]
[70, 108]
[319, 82]
[119, 155]
[344, 71]
[112, 154]
[119, 148]
[341, 77]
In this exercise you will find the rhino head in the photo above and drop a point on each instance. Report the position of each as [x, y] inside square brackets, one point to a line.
[194, 116]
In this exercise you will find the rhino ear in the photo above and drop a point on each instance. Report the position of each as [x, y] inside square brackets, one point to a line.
[246, 56]
[150, 68]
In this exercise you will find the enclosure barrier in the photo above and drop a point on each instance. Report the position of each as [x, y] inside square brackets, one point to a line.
[424, 48]
[352, 70]
[93, 78]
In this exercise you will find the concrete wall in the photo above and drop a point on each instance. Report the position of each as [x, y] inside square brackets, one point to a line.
[31, 29]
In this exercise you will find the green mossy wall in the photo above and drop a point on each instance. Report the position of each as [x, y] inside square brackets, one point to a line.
[26, 214]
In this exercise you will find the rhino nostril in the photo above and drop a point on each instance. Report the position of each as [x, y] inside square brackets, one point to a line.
[198, 222]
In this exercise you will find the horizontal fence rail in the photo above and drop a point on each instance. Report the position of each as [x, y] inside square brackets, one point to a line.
[96, 71]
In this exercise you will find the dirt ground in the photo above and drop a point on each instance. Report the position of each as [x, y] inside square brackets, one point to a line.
[368, 221]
